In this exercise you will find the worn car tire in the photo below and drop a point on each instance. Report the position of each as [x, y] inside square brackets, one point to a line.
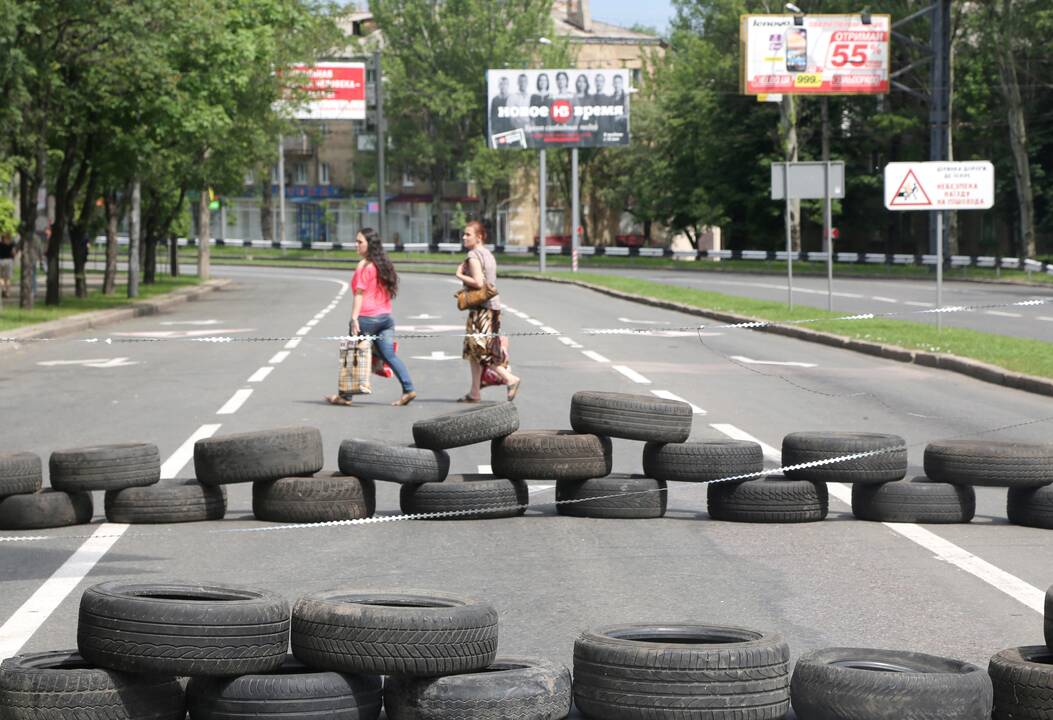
[768, 500]
[182, 629]
[513, 687]
[989, 463]
[805, 447]
[475, 425]
[375, 460]
[1023, 683]
[702, 461]
[176, 502]
[105, 467]
[258, 456]
[630, 416]
[1048, 618]
[465, 495]
[1030, 506]
[292, 692]
[324, 498]
[45, 509]
[20, 472]
[61, 685]
[551, 455]
[417, 634]
[616, 496]
[918, 500]
[865, 684]
[678, 671]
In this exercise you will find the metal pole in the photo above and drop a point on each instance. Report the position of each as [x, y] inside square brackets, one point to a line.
[828, 240]
[939, 94]
[939, 268]
[789, 242]
[575, 209]
[281, 193]
[544, 211]
[382, 207]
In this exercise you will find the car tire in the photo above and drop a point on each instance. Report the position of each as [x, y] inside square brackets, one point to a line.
[318, 499]
[805, 447]
[20, 472]
[702, 461]
[105, 467]
[551, 455]
[45, 509]
[258, 456]
[1030, 506]
[1023, 683]
[768, 500]
[918, 500]
[468, 427]
[374, 460]
[989, 463]
[472, 497]
[630, 416]
[176, 502]
[615, 496]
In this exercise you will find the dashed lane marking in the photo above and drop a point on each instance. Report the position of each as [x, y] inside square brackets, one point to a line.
[632, 374]
[279, 357]
[917, 303]
[593, 355]
[303, 331]
[534, 322]
[999, 313]
[884, 299]
[1047, 319]
[570, 343]
[236, 401]
[261, 374]
[751, 361]
[550, 331]
[666, 395]
[293, 343]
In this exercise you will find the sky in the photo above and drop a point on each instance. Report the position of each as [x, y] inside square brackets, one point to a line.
[653, 13]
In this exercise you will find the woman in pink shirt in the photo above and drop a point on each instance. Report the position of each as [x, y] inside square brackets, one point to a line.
[374, 284]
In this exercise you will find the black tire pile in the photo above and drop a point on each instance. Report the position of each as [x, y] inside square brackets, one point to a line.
[135, 642]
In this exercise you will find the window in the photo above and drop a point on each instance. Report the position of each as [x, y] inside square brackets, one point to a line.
[636, 77]
[323, 174]
[301, 174]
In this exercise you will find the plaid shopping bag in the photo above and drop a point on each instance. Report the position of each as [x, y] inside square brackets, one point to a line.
[355, 365]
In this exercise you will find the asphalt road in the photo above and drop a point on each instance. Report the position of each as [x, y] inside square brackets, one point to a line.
[838, 582]
[908, 298]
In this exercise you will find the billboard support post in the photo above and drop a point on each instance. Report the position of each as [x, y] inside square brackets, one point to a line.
[542, 182]
[382, 214]
[789, 238]
[939, 269]
[575, 209]
[281, 192]
[828, 240]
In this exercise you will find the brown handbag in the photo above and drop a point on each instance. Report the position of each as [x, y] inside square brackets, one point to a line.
[470, 299]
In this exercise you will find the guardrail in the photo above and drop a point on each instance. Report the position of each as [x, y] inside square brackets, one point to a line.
[851, 258]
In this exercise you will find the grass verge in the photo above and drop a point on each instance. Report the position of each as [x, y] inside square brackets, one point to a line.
[1033, 357]
[11, 316]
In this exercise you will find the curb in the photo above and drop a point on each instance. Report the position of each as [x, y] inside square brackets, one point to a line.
[942, 361]
[99, 318]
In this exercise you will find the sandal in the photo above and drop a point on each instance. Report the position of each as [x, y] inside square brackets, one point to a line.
[337, 400]
[406, 399]
[513, 389]
[467, 399]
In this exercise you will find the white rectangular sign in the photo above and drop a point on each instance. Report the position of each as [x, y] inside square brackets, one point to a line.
[939, 185]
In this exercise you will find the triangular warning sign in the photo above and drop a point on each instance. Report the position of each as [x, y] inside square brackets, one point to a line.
[910, 193]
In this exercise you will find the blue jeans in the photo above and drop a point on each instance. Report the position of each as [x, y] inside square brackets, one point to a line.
[384, 327]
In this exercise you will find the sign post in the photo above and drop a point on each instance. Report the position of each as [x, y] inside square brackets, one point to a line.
[542, 202]
[937, 187]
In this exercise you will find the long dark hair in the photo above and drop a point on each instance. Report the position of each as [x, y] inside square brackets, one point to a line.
[376, 255]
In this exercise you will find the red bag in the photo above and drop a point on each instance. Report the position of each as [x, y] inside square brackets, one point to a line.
[499, 352]
[380, 367]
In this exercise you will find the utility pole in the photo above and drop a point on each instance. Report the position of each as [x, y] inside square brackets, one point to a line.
[575, 209]
[382, 205]
[542, 182]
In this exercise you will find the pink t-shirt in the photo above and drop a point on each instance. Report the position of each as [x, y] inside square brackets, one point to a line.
[375, 299]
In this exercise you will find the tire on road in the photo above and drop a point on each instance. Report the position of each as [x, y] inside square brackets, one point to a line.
[1023, 682]
[512, 687]
[61, 685]
[616, 496]
[375, 460]
[418, 634]
[702, 461]
[1030, 506]
[177, 502]
[630, 672]
[775, 500]
[20, 472]
[836, 683]
[291, 691]
[258, 456]
[323, 498]
[105, 467]
[918, 500]
[804, 447]
[475, 425]
[461, 493]
[182, 629]
[1048, 617]
[551, 455]
[630, 416]
[989, 463]
[45, 509]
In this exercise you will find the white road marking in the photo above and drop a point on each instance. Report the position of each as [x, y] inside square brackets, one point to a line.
[532, 321]
[425, 316]
[1047, 319]
[943, 549]
[550, 331]
[35, 611]
[540, 488]
[303, 331]
[751, 361]
[436, 355]
[293, 343]
[191, 322]
[279, 357]
[182, 333]
[999, 313]
[236, 401]
[311, 323]
[632, 374]
[321, 315]
[569, 343]
[261, 374]
[485, 470]
[884, 299]
[666, 395]
[91, 362]
[643, 322]
[916, 303]
[593, 355]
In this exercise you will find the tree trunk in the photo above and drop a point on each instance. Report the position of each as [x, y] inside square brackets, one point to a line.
[109, 278]
[266, 209]
[788, 114]
[133, 240]
[1010, 86]
[63, 202]
[29, 189]
[204, 220]
[173, 255]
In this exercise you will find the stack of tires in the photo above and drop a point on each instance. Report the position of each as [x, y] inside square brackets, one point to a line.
[282, 465]
[1025, 469]
[1023, 676]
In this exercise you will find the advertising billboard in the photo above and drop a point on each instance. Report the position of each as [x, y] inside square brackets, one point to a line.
[822, 55]
[557, 108]
[337, 91]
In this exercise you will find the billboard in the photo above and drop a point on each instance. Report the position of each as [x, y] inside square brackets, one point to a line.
[337, 91]
[824, 55]
[557, 108]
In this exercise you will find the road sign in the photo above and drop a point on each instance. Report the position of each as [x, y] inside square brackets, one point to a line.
[806, 180]
[939, 185]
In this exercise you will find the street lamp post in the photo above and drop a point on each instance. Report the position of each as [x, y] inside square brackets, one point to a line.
[382, 208]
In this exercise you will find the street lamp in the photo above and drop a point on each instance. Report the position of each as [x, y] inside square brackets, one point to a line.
[798, 13]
